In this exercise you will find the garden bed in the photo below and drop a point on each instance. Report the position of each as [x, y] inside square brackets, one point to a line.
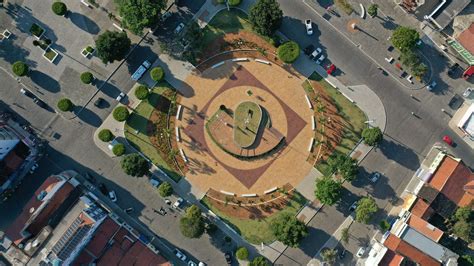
[339, 122]
[36, 30]
[50, 54]
[253, 221]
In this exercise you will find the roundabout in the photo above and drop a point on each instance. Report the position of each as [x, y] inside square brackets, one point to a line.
[246, 129]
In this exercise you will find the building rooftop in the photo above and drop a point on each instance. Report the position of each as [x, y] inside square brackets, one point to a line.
[404, 249]
[466, 38]
[421, 209]
[423, 243]
[425, 228]
[448, 11]
[391, 259]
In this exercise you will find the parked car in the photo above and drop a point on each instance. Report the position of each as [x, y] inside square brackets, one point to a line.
[353, 206]
[228, 258]
[452, 70]
[447, 139]
[431, 86]
[178, 203]
[467, 92]
[33, 168]
[320, 60]
[128, 210]
[154, 182]
[40, 103]
[120, 96]
[309, 27]
[315, 53]
[27, 93]
[341, 253]
[103, 189]
[180, 255]
[331, 69]
[374, 177]
[179, 28]
[390, 48]
[112, 196]
[455, 102]
[192, 263]
[98, 103]
[90, 178]
[361, 252]
[141, 70]
[308, 49]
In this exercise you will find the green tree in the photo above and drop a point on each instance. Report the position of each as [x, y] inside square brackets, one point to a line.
[409, 58]
[112, 45]
[242, 253]
[165, 189]
[138, 14]
[266, 16]
[234, 2]
[120, 113]
[259, 261]
[20, 69]
[372, 10]
[192, 224]
[65, 105]
[288, 229]
[419, 70]
[87, 77]
[464, 230]
[59, 8]
[372, 135]
[345, 235]
[157, 74]
[118, 149]
[142, 92]
[135, 165]
[349, 168]
[329, 255]
[328, 191]
[384, 225]
[464, 214]
[105, 135]
[405, 38]
[366, 208]
[288, 52]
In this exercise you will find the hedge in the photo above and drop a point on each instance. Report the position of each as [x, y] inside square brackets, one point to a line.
[121, 113]
[118, 149]
[59, 8]
[65, 105]
[288, 52]
[242, 253]
[105, 135]
[157, 74]
[87, 77]
[20, 69]
[141, 92]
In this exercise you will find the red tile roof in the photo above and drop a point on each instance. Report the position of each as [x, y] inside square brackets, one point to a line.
[403, 248]
[466, 39]
[101, 236]
[421, 209]
[425, 228]
[450, 179]
[14, 231]
[391, 259]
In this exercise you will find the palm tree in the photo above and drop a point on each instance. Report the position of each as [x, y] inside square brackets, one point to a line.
[173, 153]
[167, 131]
[329, 255]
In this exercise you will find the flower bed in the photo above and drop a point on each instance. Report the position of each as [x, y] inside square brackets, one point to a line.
[36, 30]
[50, 54]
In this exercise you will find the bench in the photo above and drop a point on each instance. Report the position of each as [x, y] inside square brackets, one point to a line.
[262, 61]
[218, 64]
[178, 135]
[249, 195]
[240, 59]
[227, 193]
[313, 123]
[311, 143]
[308, 102]
[118, 27]
[270, 190]
[178, 113]
[183, 155]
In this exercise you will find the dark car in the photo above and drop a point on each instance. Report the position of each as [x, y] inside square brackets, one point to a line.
[90, 178]
[341, 253]
[452, 70]
[309, 49]
[39, 102]
[27, 93]
[228, 258]
[99, 102]
[390, 48]
[455, 102]
[103, 189]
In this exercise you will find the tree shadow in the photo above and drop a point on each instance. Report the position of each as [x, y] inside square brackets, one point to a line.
[388, 22]
[44, 81]
[110, 90]
[88, 116]
[399, 153]
[11, 53]
[84, 23]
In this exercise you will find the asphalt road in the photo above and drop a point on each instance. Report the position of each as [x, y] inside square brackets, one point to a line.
[407, 138]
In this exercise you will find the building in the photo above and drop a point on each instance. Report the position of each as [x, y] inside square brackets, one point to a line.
[61, 226]
[8, 141]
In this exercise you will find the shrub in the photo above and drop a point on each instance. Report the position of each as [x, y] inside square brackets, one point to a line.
[65, 105]
[288, 52]
[372, 135]
[105, 135]
[234, 2]
[221, 1]
[405, 38]
[20, 69]
[384, 226]
[36, 43]
[242, 253]
[36, 30]
[372, 10]
[121, 113]
[165, 189]
[87, 77]
[345, 6]
[141, 92]
[259, 261]
[118, 149]
[59, 8]
[157, 74]
[135, 165]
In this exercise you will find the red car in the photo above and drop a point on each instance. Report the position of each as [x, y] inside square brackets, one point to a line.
[448, 140]
[330, 69]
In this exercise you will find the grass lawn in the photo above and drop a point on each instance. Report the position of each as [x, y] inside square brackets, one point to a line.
[50, 54]
[138, 120]
[257, 231]
[245, 133]
[350, 113]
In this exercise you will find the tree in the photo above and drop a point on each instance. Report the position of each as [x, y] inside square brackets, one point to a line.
[138, 14]
[372, 10]
[409, 58]
[118, 149]
[135, 165]
[120, 113]
[328, 191]
[192, 224]
[405, 38]
[165, 189]
[65, 105]
[105, 135]
[419, 70]
[265, 17]
[87, 77]
[464, 214]
[345, 235]
[372, 135]
[59, 8]
[288, 229]
[329, 255]
[157, 74]
[20, 69]
[142, 92]
[259, 261]
[348, 169]
[288, 52]
[234, 2]
[242, 253]
[384, 226]
[366, 207]
[464, 230]
[112, 46]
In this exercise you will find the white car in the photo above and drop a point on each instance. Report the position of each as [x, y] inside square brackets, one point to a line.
[467, 92]
[155, 182]
[361, 252]
[112, 196]
[374, 177]
[33, 168]
[179, 28]
[120, 96]
[431, 86]
[178, 203]
[192, 263]
[320, 60]
[315, 53]
[309, 27]
[179, 255]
